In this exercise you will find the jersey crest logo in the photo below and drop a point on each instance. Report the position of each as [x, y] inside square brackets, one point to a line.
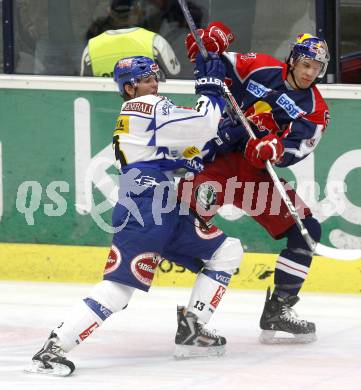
[257, 89]
[206, 195]
[261, 115]
[290, 106]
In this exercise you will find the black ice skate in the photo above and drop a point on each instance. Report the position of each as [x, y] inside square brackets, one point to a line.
[193, 340]
[277, 316]
[51, 360]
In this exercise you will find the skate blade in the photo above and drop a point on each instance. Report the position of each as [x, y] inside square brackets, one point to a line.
[190, 351]
[270, 337]
[57, 370]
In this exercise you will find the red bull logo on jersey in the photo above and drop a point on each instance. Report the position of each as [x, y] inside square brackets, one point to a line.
[290, 106]
[257, 89]
[144, 266]
[260, 114]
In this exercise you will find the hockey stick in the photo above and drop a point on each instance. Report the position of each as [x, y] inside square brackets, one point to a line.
[335, 253]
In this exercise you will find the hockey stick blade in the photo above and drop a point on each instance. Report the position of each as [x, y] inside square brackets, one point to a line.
[337, 253]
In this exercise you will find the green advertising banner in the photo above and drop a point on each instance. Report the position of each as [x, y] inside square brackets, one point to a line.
[56, 166]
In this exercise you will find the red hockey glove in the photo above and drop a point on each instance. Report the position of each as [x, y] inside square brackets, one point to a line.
[216, 38]
[258, 151]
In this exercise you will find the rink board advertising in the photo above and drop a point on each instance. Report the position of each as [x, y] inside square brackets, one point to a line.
[50, 139]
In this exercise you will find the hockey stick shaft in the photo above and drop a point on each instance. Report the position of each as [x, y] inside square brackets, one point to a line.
[192, 27]
[341, 254]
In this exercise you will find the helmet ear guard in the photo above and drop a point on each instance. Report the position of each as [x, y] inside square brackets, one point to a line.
[314, 48]
[131, 70]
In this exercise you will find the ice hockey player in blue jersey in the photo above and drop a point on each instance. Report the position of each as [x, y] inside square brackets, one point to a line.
[153, 139]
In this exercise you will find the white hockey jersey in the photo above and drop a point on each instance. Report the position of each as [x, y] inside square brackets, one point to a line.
[152, 128]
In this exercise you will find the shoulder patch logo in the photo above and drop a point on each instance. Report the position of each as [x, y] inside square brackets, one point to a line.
[166, 107]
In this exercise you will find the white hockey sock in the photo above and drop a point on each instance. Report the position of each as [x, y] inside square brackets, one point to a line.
[105, 298]
[206, 295]
[80, 323]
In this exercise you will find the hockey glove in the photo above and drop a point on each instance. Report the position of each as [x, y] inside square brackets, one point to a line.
[269, 148]
[231, 135]
[216, 38]
[194, 165]
[209, 75]
[231, 132]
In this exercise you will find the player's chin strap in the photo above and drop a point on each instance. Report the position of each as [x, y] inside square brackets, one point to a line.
[135, 87]
[316, 247]
[294, 80]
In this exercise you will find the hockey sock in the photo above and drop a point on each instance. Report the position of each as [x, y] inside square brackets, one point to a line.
[294, 262]
[207, 292]
[291, 270]
[105, 298]
[81, 323]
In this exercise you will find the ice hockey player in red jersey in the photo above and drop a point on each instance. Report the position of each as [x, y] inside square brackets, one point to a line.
[288, 116]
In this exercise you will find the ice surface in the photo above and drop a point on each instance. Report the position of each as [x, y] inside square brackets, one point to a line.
[133, 349]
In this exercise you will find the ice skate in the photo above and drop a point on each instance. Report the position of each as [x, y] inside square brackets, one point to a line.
[278, 316]
[193, 340]
[51, 360]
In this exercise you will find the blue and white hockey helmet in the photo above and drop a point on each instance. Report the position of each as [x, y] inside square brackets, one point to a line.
[132, 69]
[309, 46]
